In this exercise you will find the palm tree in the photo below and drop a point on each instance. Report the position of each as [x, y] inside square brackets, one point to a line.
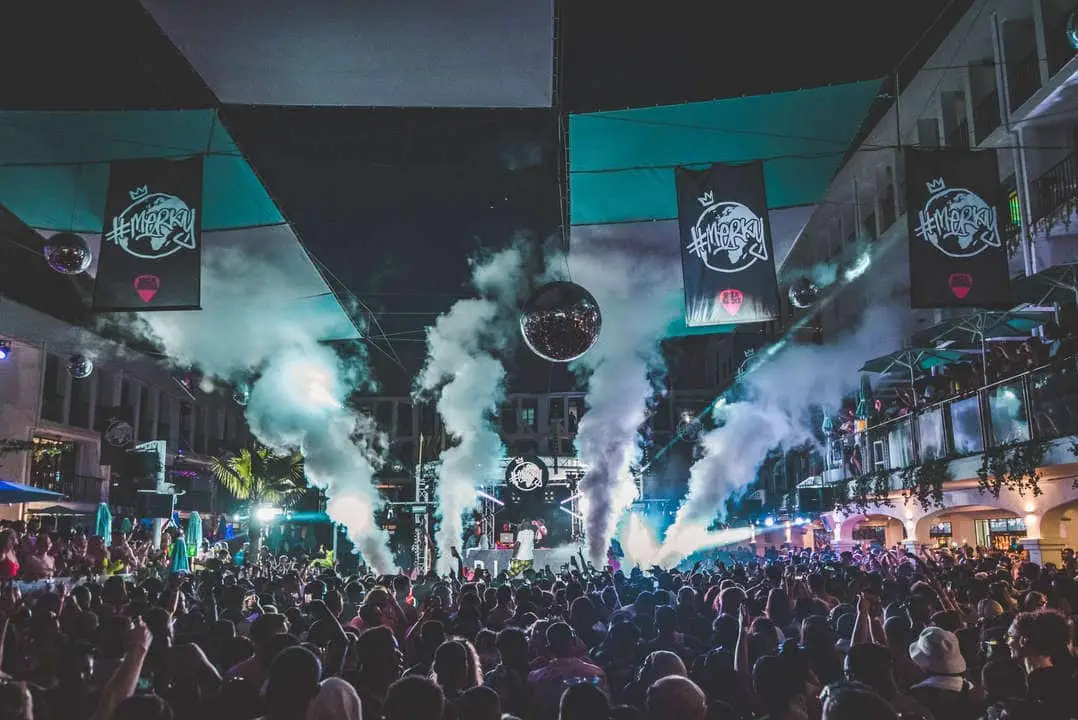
[259, 477]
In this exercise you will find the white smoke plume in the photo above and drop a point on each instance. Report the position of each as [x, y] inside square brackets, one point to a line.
[299, 388]
[637, 293]
[465, 369]
[774, 411]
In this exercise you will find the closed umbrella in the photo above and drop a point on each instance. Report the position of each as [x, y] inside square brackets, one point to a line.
[103, 524]
[179, 557]
[194, 531]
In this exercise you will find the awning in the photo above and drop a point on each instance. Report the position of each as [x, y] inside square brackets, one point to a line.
[1057, 284]
[58, 511]
[12, 493]
[54, 175]
[973, 330]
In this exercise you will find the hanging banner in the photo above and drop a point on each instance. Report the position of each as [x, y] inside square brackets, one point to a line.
[957, 256]
[151, 243]
[117, 434]
[726, 257]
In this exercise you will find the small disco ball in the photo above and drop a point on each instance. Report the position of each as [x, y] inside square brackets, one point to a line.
[79, 366]
[241, 396]
[67, 253]
[560, 321]
[1072, 29]
[803, 292]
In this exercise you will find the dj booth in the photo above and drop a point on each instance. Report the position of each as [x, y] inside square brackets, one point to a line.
[498, 560]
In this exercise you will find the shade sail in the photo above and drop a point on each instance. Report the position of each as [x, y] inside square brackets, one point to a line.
[12, 492]
[621, 163]
[55, 173]
[375, 53]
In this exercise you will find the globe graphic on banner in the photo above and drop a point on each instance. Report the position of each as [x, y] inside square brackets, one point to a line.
[560, 321]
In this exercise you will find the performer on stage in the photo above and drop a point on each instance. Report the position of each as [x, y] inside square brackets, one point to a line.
[524, 548]
[473, 536]
[540, 531]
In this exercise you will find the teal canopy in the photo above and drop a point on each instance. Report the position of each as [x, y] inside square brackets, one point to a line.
[54, 175]
[621, 163]
[54, 170]
[103, 523]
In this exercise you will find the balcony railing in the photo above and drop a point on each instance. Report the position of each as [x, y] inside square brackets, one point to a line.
[1024, 78]
[1056, 188]
[1040, 404]
[76, 488]
[986, 116]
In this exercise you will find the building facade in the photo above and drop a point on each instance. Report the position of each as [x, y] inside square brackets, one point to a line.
[1002, 78]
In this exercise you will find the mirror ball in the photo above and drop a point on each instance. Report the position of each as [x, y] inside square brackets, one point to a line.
[67, 253]
[560, 321]
[79, 366]
[803, 292]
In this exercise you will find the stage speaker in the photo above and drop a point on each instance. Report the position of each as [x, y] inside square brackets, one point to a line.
[154, 505]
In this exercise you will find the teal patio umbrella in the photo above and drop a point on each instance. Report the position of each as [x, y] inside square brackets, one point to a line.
[179, 557]
[103, 523]
[194, 531]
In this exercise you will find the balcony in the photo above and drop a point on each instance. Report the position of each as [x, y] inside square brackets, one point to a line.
[1055, 193]
[1040, 404]
[1024, 78]
[986, 116]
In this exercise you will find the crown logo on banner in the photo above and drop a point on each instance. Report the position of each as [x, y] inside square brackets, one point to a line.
[139, 193]
[707, 199]
[937, 185]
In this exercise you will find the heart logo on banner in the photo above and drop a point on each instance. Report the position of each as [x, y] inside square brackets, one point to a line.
[731, 300]
[147, 286]
[961, 284]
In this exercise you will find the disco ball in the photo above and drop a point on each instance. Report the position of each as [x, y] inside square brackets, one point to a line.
[803, 293]
[560, 322]
[241, 396]
[79, 366]
[67, 253]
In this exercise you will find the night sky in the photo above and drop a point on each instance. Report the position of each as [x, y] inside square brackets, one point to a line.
[394, 201]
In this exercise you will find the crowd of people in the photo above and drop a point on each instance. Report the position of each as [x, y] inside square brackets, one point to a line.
[871, 634]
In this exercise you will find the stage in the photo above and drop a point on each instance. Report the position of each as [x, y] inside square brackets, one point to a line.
[498, 560]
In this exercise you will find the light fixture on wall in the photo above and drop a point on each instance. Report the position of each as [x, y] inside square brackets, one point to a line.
[5, 349]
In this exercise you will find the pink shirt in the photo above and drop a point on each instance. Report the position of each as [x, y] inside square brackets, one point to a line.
[550, 681]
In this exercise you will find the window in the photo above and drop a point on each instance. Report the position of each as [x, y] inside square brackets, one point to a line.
[186, 425]
[52, 395]
[201, 419]
[383, 414]
[528, 409]
[576, 411]
[1007, 525]
[79, 414]
[1015, 207]
[404, 419]
[508, 416]
[164, 417]
[147, 413]
[940, 529]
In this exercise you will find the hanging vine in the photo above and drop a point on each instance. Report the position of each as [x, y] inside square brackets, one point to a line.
[1012, 467]
[924, 483]
[871, 490]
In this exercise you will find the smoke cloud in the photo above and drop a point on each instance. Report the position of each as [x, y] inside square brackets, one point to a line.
[774, 411]
[298, 386]
[465, 369]
[637, 292]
